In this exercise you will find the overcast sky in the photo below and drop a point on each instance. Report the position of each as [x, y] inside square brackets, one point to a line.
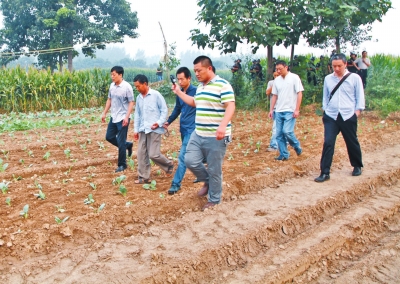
[177, 18]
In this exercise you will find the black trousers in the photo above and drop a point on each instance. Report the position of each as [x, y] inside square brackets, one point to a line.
[364, 74]
[349, 131]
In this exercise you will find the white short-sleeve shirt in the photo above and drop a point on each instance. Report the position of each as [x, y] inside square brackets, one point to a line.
[287, 89]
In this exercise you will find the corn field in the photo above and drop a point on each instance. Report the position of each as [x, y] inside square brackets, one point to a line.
[35, 90]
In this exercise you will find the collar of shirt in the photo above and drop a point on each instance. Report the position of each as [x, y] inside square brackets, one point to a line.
[345, 72]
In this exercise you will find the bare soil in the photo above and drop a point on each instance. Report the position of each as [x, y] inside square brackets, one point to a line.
[275, 223]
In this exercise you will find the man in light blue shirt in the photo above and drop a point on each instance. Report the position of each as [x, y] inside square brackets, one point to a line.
[150, 114]
[341, 112]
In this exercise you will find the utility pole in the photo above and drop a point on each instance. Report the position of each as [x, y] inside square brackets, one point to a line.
[165, 53]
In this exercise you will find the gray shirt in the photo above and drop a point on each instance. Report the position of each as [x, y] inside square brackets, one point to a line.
[360, 63]
[286, 89]
[149, 110]
[347, 99]
[121, 95]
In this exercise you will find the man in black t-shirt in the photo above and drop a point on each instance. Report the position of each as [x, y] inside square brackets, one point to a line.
[351, 65]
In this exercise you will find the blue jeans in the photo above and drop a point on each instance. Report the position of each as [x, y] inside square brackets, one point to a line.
[181, 170]
[159, 77]
[213, 150]
[273, 143]
[285, 123]
[116, 134]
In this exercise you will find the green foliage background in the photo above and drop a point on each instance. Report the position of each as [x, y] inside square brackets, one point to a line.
[37, 90]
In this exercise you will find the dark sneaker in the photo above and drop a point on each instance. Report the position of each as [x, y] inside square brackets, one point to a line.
[356, 171]
[281, 158]
[174, 189]
[322, 178]
[120, 169]
[298, 151]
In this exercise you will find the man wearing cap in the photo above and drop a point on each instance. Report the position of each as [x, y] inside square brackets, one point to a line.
[351, 65]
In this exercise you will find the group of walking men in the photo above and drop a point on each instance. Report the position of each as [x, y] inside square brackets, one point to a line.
[205, 125]
[205, 121]
[343, 102]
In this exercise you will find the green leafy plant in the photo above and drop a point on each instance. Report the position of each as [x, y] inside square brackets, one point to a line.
[46, 156]
[24, 212]
[8, 201]
[93, 185]
[4, 186]
[40, 195]
[89, 199]
[122, 190]
[100, 208]
[3, 167]
[38, 185]
[131, 164]
[59, 221]
[67, 153]
[60, 208]
[119, 180]
[151, 186]
[101, 145]
[258, 146]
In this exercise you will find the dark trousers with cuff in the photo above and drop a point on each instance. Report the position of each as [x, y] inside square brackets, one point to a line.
[116, 134]
[348, 129]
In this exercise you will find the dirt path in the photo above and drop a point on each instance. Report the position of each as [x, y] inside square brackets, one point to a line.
[274, 226]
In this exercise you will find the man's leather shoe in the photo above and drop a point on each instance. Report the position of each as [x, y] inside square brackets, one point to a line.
[208, 205]
[129, 148]
[322, 178]
[356, 171]
[120, 169]
[204, 190]
[281, 158]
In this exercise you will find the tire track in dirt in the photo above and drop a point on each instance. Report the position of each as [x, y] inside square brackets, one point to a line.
[224, 244]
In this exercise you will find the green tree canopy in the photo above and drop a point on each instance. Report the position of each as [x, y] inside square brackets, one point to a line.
[57, 25]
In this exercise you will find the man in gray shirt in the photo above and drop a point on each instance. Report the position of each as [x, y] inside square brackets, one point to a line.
[341, 112]
[121, 101]
[150, 114]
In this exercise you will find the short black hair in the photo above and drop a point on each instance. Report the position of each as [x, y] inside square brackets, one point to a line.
[213, 68]
[205, 60]
[141, 79]
[185, 71]
[281, 62]
[118, 69]
[339, 56]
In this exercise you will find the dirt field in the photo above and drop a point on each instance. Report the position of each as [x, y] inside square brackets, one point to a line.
[275, 223]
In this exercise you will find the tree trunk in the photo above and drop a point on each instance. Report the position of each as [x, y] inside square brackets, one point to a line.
[70, 67]
[337, 42]
[270, 63]
[60, 62]
[291, 56]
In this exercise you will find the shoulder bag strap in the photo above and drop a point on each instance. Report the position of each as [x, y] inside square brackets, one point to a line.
[338, 85]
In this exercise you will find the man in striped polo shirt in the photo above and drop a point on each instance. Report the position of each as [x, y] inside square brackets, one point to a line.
[215, 106]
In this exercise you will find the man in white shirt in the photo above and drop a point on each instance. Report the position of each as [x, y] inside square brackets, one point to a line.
[363, 63]
[287, 93]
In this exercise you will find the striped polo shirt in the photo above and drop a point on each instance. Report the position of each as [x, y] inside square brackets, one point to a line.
[210, 109]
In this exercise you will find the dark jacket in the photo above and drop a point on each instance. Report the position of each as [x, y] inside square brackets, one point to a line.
[188, 113]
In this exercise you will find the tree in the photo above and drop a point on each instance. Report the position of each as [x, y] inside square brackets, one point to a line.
[53, 27]
[338, 22]
[256, 22]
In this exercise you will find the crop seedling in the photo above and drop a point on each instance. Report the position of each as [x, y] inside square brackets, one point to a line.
[60, 144]
[131, 164]
[89, 199]
[3, 167]
[128, 203]
[83, 146]
[4, 186]
[24, 212]
[22, 161]
[151, 186]
[162, 195]
[40, 195]
[67, 153]
[101, 145]
[60, 208]
[44, 146]
[158, 172]
[30, 153]
[70, 193]
[16, 178]
[38, 185]
[152, 163]
[122, 190]
[46, 156]
[93, 185]
[8, 201]
[119, 180]
[59, 221]
[101, 207]
[5, 154]
[258, 146]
